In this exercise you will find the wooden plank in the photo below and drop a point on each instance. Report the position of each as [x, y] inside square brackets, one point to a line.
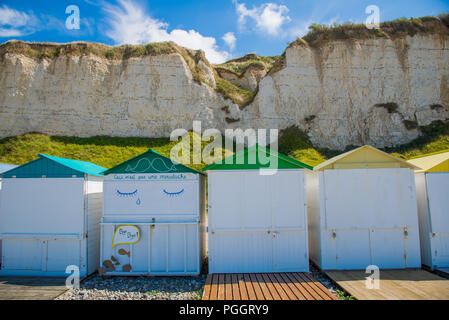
[228, 287]
[299, 286]
[290, 294]
[30, 294]
[306, 286]
[256, 286]
[207, 287]
[273, 291]
[351, 283]
[214, 288]
[291, 285]
[31, 288]
[249, 287]
[426, 284]
[221, 286]
[235, 287]
[264, 287]
[242, 287]
[279, 288]
[314, 286]
[320, 286]
[407, 284]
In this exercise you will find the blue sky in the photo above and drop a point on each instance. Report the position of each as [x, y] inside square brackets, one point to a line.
[223, 29]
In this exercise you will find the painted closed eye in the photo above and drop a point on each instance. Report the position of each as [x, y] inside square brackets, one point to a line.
[173, 194]
[126, 194]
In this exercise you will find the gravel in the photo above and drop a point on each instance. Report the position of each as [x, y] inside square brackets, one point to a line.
[326, 281]
[137, 288]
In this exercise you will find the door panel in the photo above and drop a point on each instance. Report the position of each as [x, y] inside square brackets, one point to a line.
[438, 194]
[62, 253]
[288, 200]
[353, 249]
[388, 248]
[22, 254]
[289, 253]
[241, 252]
[440, 247]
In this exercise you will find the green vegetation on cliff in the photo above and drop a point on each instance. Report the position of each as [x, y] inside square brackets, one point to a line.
[239, 66]
[389, 29]
[109, 151]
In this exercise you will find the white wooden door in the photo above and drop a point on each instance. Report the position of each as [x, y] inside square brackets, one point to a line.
[257, 223]
[438, 197]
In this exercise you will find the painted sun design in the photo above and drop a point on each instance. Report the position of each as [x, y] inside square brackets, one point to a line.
[126, 194]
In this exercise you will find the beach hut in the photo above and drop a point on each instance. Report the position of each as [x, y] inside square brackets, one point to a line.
[3, 168]
[257, 216]
[363, 212]
[49, 217]
[432, 189]
[153, 218]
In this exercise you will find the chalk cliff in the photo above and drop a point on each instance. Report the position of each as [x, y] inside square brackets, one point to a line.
[349, 91]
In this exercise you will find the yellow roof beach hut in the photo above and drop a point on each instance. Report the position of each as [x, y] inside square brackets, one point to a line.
[432, 190]
[362, 211]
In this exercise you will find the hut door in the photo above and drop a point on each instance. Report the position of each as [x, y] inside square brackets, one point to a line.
[288, 214]
[388, 248]
[438, 197]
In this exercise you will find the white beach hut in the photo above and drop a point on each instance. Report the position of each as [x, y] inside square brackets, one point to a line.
[153, 218]
[432, 188]
[257, 222]
[3, 168]
[363, 211]
[49, 217]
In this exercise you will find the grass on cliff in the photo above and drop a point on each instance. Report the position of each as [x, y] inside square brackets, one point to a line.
[388, 29]
[238, 95]
[240, 65]
[110, 151]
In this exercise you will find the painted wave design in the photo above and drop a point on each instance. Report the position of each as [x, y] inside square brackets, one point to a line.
[145, 164]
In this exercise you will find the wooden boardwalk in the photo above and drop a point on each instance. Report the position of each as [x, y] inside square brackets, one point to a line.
[265, 286]
[31, 288]
[408, 284]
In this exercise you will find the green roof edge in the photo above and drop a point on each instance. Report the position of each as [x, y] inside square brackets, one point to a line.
[281, 156]
[149, 151]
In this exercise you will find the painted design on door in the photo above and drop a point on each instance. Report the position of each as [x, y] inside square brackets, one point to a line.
[173, 194]
[145, 165]
[126, 194]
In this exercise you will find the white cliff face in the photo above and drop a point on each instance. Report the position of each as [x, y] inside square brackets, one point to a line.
[85, 96]
[330, 92]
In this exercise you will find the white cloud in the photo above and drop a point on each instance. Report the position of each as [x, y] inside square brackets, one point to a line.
[269, 17]
[15, 23]
[129, 24]
[230, 39]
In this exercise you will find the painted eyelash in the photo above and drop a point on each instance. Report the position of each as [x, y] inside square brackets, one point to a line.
[126, 194]
[173, 194]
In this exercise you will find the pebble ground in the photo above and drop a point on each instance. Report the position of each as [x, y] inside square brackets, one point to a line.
[138, 288]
